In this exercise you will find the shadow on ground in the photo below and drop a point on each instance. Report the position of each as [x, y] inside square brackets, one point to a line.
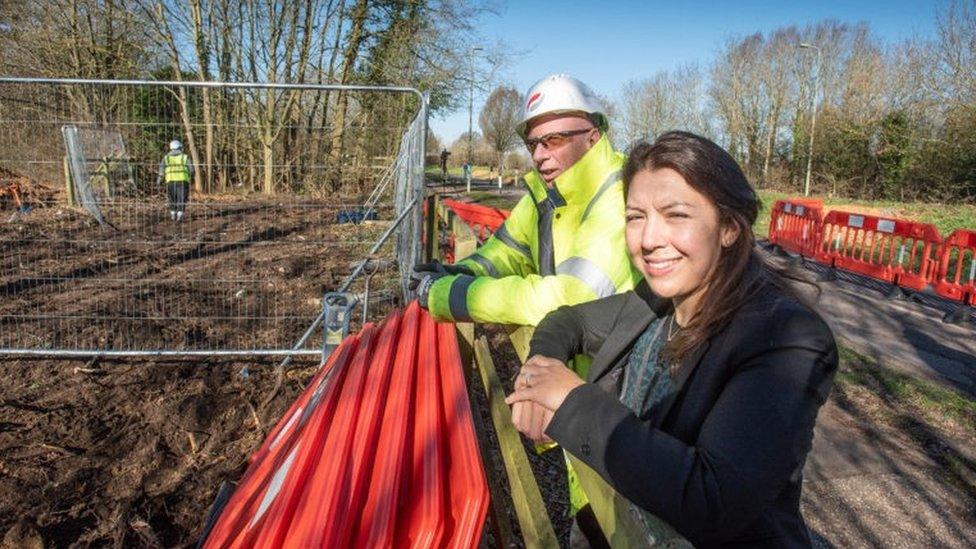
[886, 472]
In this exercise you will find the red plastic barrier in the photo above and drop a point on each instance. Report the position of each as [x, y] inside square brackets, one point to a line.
[795, 224]
[893, 250]
[957, 267]
[378, 451]
[482, 219]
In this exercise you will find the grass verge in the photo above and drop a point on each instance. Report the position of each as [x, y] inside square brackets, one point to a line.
[929, 400]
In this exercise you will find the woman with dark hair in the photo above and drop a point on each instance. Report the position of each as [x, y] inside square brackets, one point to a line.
[706, 380]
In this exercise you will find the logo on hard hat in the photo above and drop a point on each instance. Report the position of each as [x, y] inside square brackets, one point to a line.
[533, 101]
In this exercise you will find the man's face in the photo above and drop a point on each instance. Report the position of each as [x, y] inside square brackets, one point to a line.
[557, 153]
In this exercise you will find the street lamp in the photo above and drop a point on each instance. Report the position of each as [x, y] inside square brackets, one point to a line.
[471, 116]
[813, 114]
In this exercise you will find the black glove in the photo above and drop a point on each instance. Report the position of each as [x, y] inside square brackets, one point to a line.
[438, 267]
[421, 282]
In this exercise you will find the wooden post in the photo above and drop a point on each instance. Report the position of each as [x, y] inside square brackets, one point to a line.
[616, 518]
[502, 526]
[69, 188]
[465, 243]
[537, 529]
[432, 229]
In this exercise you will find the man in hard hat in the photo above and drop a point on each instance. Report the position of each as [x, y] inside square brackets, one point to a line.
[563, 242]
[176, 170]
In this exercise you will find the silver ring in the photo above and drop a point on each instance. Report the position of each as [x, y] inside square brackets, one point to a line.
[528, 380]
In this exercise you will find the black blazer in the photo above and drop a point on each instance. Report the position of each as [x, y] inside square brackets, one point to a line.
[720, 458]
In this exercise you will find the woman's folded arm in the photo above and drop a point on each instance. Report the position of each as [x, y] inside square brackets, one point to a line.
[754, 439]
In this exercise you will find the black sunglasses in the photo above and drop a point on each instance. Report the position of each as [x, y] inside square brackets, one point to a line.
[553, 139]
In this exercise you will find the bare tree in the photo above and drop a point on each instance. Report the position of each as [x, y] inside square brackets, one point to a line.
[670, 100]
[740, 109]
[162, 17]
[498, 119]
[956, 51]
[76, 38]
[354, 41]
[776, 88]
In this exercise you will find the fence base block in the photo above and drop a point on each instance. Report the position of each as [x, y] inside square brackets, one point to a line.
[896, 294]
[829, 275]
[959, 316]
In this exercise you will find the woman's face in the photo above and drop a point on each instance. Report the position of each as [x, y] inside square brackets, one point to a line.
[673, 234]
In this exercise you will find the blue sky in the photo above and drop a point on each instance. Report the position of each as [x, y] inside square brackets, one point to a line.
[605, 44]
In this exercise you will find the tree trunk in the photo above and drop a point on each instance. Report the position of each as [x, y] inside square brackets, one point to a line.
[203, 71]
[191, 145]
[350, 54]
[268, 156]
[770, 145]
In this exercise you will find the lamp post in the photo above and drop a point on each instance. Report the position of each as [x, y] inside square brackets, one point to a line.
[813, 114]
[471, 118]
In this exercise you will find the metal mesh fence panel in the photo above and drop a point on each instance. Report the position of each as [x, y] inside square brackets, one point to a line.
[78, 177]
[281, 176]
[409, 187]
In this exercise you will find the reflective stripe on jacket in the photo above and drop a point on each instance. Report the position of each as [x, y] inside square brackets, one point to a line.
[176, 168]
[559, 246]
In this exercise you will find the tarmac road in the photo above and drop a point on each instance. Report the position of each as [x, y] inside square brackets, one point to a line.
[907, 334]
[872, 485]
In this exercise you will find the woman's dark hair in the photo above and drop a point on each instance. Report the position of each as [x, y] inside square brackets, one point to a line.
[740, 272]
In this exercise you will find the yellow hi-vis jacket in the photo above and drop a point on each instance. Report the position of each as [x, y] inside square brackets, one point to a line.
[176, 168]
[559, 246]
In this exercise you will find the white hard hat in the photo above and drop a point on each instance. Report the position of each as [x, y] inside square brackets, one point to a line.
[560, 93]
[175, 145]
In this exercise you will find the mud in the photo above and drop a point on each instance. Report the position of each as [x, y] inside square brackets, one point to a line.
[131, 452]
[127, 453]
[237, 275]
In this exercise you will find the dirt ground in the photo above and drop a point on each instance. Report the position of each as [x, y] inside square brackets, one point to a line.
[127, 453]
[132, 452]
[235, 275]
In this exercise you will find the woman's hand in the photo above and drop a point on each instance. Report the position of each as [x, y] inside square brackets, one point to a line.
[531, 420]
[544, 382]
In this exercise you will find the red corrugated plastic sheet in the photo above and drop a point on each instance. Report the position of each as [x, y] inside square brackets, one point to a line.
[378, 451]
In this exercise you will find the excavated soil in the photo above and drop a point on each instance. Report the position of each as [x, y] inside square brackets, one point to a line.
[126, 453]
[234, 275]
[131, 452]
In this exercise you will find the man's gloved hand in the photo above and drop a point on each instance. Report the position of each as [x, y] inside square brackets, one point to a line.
[426, 274]
[421, 283]
[438, 267]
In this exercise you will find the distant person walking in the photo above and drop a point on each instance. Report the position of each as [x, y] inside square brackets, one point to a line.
[444, 155]
[175, 169]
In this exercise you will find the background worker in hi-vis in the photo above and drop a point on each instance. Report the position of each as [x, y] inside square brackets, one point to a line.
[177, 171]
[563, 242]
